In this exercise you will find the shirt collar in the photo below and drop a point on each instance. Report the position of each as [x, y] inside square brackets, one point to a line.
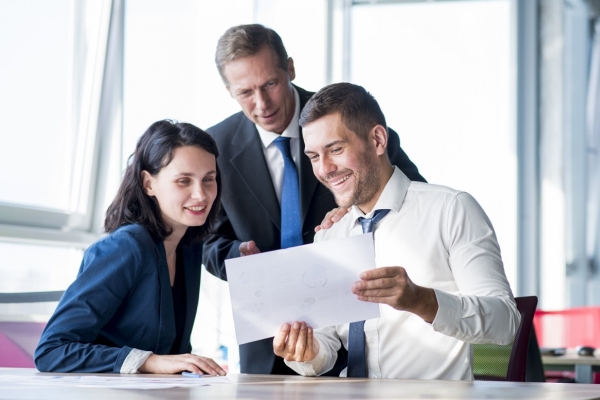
[391, 198]
[292, 130]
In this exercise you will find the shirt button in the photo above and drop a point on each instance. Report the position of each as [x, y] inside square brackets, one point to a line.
[374, 376]
[371, 341]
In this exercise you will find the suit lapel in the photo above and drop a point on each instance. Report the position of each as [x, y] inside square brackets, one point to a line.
[253, 169]
[308, 182]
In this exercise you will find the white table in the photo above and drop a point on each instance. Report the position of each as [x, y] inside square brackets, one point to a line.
[584, 366]
[267, 387]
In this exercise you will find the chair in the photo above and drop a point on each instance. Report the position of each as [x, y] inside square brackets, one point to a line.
[493, 362]
[23, 317]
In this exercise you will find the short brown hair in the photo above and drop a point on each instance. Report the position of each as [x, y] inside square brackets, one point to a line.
[358, 108]
[247, 40]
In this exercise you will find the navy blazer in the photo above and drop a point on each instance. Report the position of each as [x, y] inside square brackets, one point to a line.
[121, 299]
[250, 209]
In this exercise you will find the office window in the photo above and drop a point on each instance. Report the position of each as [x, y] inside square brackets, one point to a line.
[49, 93]
[52, 67]
[442, 73]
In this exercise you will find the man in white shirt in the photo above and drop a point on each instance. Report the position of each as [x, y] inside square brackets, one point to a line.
[440, 280]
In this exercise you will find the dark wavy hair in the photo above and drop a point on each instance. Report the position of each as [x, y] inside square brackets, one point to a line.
[154, 150]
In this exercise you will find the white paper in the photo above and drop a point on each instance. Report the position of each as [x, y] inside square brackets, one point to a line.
[310, 283]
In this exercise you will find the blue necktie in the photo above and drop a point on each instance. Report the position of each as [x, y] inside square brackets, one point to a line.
[291, 221]
[357, 364]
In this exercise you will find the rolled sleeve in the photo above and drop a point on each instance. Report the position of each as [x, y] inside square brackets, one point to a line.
[134, 360]
[310, 368]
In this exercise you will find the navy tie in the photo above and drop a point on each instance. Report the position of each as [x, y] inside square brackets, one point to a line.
[357, 364]
[291, 221]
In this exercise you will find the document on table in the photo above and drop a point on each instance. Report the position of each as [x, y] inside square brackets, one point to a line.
[310, 283]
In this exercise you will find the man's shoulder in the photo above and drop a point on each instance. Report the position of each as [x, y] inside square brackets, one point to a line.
[443, 196]
[422, 188]
[304, 95]
[339, 230]
[228, 126]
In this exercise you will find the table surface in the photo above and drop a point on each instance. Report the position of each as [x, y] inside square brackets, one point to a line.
[572, 358]
[293, 387]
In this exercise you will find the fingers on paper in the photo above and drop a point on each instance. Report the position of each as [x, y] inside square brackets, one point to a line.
[248, 248]
[294, 342]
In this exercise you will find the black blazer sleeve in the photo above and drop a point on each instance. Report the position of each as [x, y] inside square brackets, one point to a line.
[220, 245]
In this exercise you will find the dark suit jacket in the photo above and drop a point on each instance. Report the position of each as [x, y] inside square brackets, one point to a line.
[250, 209]
[121, 299]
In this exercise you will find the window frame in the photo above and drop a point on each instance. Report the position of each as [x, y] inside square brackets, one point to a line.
[98, 117]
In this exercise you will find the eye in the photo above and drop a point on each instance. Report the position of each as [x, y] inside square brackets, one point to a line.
[184, 181]
[271, 84]
[336, 150]
[209, 179]
[313, 157]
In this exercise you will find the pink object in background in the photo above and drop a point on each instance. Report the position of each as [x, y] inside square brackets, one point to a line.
[18, 341]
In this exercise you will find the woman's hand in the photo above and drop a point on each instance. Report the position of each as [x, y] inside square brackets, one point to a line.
[176, 363]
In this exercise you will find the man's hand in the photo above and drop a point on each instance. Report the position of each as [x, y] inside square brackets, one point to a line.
[295, 342]
[332, 217]
[248, 248]
[392, 286]
[173, 364]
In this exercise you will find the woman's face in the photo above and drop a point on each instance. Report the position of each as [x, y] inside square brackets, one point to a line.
[185, 188]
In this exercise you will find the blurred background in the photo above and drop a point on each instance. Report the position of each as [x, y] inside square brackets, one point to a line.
[495, 97]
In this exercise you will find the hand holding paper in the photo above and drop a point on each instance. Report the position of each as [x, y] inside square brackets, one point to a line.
[295, 342]
[310, 283]
[392, 286]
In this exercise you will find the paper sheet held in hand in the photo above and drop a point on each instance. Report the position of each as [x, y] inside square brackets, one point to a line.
[310, 283]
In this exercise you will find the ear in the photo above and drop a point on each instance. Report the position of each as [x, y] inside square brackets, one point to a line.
[379, 136]
[291, 69]
[147, 181]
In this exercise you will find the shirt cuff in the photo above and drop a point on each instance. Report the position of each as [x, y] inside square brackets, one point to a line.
[449, 313]
[134, 360]
[313, 367]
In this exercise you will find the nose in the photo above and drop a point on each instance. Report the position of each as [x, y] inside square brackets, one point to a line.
[325, 167]
[262, 100]
[198, 192]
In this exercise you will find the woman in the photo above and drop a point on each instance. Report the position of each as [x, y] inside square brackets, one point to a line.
[132, 307]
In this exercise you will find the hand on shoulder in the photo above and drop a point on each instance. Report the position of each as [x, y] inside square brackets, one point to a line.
[332, 217]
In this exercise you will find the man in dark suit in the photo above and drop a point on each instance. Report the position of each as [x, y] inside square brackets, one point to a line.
[258, 73]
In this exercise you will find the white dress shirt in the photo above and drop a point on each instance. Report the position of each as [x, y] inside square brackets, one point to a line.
[272, 154]
[444, 240]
